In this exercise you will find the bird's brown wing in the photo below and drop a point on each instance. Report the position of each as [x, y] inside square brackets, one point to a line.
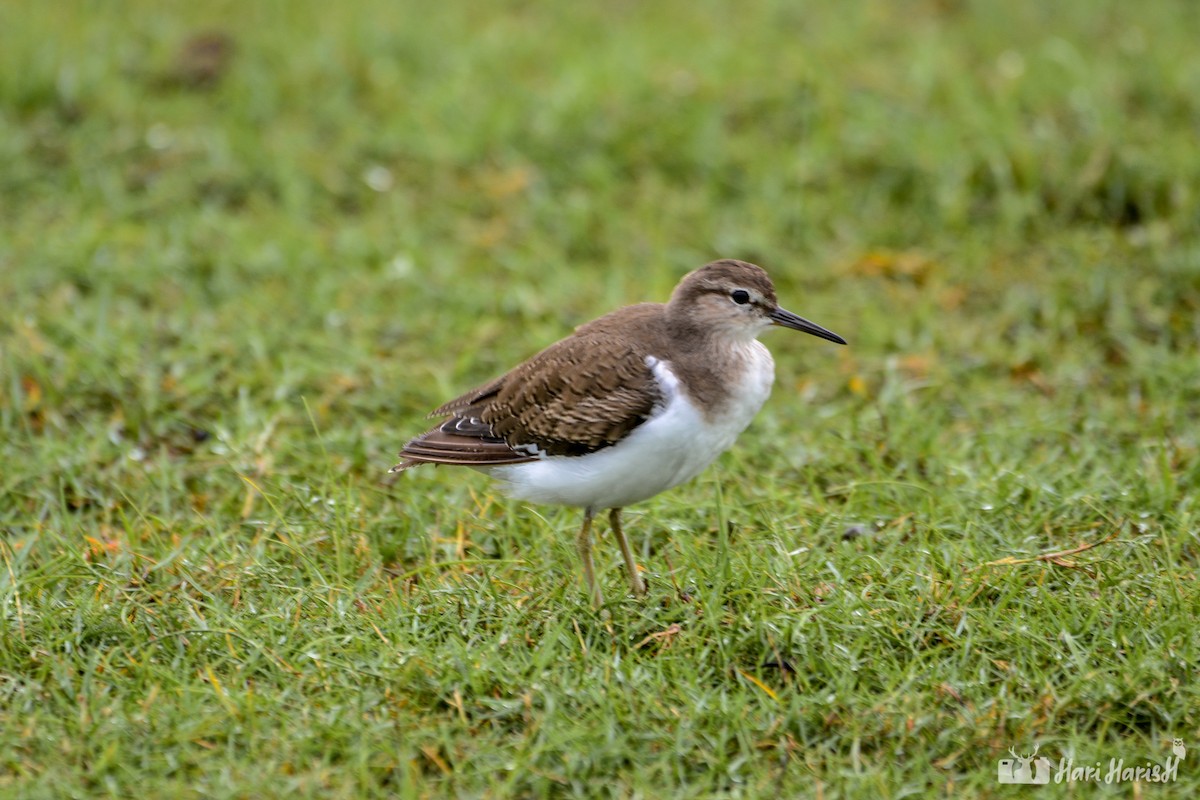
[462, 441]
[577, 396]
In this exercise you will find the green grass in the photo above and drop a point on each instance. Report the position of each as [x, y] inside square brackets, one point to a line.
[224, 307]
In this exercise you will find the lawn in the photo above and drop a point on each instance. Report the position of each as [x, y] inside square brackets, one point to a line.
[245, 247]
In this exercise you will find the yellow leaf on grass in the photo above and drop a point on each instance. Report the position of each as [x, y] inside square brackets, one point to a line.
[894, 264]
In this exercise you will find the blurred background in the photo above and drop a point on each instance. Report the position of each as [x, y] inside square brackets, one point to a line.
[370, 205]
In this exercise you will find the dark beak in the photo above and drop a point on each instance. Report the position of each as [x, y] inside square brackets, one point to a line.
[789, 320]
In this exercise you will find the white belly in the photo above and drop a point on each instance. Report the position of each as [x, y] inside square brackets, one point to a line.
[671, 447]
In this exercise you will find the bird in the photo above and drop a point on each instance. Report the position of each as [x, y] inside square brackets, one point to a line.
[628, 406]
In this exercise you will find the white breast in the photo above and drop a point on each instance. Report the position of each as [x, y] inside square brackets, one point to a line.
[673, 446]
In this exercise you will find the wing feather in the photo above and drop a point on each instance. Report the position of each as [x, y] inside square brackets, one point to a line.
[577, 396]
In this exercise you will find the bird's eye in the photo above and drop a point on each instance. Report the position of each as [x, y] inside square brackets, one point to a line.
[740, 296]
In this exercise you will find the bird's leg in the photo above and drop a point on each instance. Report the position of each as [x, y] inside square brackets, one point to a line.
[584, 545]
[635, 579]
